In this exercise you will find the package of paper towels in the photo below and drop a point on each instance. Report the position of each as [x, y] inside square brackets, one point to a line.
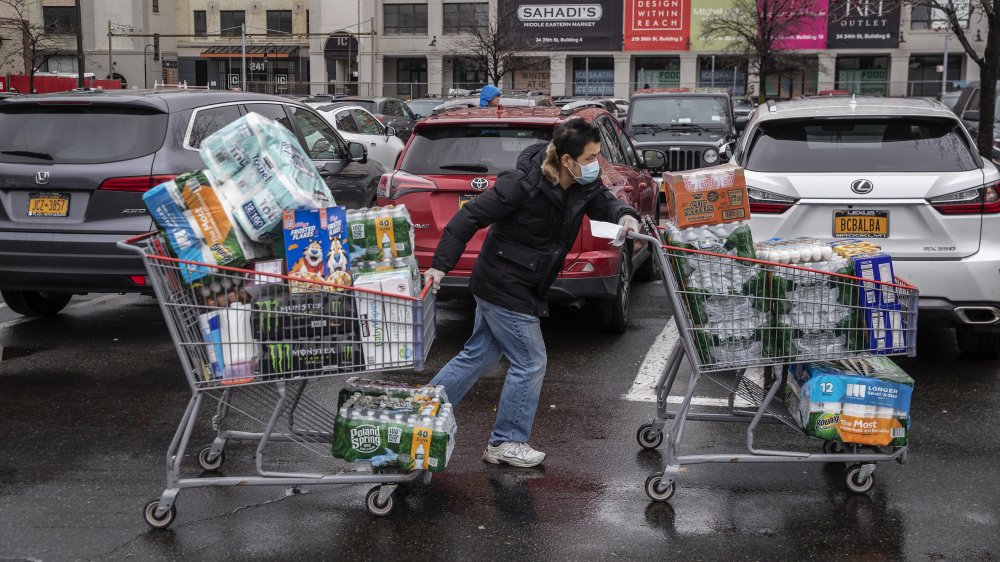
[263, 171]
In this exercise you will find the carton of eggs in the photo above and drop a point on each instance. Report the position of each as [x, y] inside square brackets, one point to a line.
[794, 252]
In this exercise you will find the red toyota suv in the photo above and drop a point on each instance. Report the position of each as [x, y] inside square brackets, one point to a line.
[454, 156]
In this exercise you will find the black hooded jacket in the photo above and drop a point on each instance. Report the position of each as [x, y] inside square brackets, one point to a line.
[533, 225]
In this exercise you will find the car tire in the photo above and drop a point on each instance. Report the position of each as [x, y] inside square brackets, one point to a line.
[978, 343]
[35, 303]
[613, 314]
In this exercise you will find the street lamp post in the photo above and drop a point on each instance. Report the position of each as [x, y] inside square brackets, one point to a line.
[266, 72]
[145, 72]
[942, 26]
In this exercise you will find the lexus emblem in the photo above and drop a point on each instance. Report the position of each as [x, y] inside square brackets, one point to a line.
[479, 184]
[41, 178]
[861, 187]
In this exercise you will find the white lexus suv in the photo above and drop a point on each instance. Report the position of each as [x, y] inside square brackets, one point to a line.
[911, 169]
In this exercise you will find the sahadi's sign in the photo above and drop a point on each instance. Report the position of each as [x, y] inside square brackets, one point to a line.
[594, 25]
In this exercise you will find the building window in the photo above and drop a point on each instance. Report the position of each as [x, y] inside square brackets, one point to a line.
[279, 22]
[200, 23]
[594, 76]
[925, 74]
[404, 19]
[657, 72]
[59, 20]
[466, 18]
[723, 72]
[230, 22]
[864, 76]
[923, 16]
[156, 6]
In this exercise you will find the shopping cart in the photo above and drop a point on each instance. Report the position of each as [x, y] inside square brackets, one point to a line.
[252, 342]
[738, 314]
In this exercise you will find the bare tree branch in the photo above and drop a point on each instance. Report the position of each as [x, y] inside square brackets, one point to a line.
[757, 29]
[495, 47]
[38, 44]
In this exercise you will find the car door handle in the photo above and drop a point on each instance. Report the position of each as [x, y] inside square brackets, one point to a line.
[643, 186]
[628, 188]
[325, 174]
[373, 143]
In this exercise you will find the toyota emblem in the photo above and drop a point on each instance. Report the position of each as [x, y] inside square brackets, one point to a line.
[480, 184]
[861, 187]
[41, 178]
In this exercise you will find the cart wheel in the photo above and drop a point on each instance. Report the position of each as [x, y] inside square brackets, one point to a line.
[374, 507]
[854, 482]
[210, 464]
[652, 483]
[159, 523]
[833, 447]
[645, 437]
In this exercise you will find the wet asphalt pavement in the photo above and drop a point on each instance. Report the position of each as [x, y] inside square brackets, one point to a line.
[90, 401]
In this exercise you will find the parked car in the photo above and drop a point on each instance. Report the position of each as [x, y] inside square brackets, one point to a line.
[537, 100]
[743, 106]
[422, 107]
[75, 166]
[391, 112]
[967, 108]
[454, 156]
[949, 99]
[695, 129]
[356, 124]
[935, 201]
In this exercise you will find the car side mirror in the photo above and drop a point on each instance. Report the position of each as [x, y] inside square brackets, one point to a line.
[655, 160]
[727, 151]
[390, 131]
[971, 115]
[741, 124]
[359, 153]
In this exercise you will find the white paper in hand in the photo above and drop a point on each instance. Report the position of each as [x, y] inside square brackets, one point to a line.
[608, 230]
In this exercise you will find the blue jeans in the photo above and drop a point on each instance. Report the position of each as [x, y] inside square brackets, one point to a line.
[499, 331]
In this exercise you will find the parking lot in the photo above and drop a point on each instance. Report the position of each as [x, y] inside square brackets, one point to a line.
[91, 399]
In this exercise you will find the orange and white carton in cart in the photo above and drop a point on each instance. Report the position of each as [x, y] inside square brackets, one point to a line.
[706, 196]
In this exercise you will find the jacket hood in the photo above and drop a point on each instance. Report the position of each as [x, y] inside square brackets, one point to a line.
[488, 92]
[532, 157]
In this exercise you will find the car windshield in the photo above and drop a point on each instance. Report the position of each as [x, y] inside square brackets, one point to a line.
[742, 103]
[479, 149]
[706, 111]
[75, 134]
[423, 107]
[860, 145]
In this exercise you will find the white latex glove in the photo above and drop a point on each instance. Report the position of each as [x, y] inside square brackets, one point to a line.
[628, 224]
[433, 278]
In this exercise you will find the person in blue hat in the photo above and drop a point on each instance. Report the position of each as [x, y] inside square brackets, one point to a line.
[489, 96]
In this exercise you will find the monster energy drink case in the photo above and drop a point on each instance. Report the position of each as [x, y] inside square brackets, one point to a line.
[281, 317]
[310, 357]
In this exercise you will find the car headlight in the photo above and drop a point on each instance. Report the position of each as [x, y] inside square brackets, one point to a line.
[711, 156]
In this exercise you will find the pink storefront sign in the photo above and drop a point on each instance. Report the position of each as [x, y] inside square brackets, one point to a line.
[810, 33]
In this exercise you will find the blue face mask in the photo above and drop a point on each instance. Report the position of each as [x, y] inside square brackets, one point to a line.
[588, 172]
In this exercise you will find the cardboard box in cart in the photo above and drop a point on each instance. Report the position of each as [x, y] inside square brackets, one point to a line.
[706, 196]
[386, 323]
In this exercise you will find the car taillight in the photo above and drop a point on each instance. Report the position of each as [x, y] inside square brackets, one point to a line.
[397, 184]
[974, 201]
[139, 280]
[133, 183]
[767, 203]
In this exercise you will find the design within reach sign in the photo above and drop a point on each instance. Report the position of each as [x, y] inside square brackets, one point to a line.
[583, 26]
[657, 25]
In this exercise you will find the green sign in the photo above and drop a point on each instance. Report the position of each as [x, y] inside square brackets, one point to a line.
[659, 78]
[863, 82]
[701, 9]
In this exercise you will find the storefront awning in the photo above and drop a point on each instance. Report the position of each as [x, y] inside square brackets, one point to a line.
[255, 52]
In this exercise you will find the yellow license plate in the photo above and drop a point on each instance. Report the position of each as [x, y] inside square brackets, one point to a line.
[861, 224]
[48, 204]
[463, 199]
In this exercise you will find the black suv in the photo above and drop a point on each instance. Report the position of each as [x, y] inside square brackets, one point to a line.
[74, 167]
[694, 129]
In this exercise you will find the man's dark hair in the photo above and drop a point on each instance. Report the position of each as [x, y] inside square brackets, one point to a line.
[572, 137]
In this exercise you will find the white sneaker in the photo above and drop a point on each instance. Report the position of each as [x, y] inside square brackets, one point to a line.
[514, 454]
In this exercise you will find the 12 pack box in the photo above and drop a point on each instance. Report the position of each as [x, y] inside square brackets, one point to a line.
[706, 196]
